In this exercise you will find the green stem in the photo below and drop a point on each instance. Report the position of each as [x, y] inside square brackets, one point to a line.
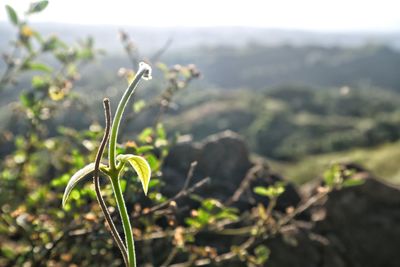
[125, 221]
[144, 71]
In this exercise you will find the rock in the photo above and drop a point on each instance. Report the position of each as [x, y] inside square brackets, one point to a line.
[363, 223]
[225, 158]
[353, 227]
[359, 227]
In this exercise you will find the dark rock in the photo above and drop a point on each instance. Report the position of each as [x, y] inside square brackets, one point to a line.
[353, 227]
[360, 227]
[224, 158]
[364, 221]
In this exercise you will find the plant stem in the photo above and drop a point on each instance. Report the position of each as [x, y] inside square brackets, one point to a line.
[144, 71]
[125, 221]
[96, 180]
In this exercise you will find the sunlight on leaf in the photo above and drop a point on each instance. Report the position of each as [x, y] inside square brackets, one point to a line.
[39, 67]
[353, 182]
[79, 175]
[272, 191]
[141, 166]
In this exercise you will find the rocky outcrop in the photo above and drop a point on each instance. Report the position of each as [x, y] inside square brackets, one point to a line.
[353, 227]
[362, 223]
[225, 158]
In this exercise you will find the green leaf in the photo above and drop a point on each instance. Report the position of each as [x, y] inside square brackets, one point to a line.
[79, 175]
[333, 175]
[39, 67]
[141, 166]
[8, 253]
[37, 7]
[123, 185]
[153, 161]
[146, 135]
[144, 149]
[161, 131]
[39, 82]
[53, 43]
[271, 191]
[138, 106]
[27, 99]
[12, 15]
[262, 253]
[352, 182]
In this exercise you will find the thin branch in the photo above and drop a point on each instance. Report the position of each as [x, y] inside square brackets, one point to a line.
[157, 55]
[303, 207]
[250, 176]
[182, 193]
[220, 258]
[96, 180]
[189, 175]
[170, 257]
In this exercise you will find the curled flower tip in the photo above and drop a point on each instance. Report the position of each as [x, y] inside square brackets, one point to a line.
[146, 70]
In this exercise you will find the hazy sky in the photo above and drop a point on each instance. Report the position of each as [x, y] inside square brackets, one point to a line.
[318, 15]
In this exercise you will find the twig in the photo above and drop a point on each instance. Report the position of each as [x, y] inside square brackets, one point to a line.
[157, 55]
[189, 175]
[9, 69]
[96, 180]
[182, 193]
[223, 257]
[170, 257]
[250, 176]
[305, 206]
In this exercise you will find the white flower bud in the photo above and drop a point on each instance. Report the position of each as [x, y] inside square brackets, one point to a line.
[147, 70]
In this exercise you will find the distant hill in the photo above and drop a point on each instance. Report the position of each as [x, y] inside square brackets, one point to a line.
[257, 66]
[284, 95]
[150, 38]
[255, 58]
[288, 123]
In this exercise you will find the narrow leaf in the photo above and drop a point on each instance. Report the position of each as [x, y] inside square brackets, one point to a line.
[37, 6]
[353, 182]
[79, 175]
[12, 15]
[141, 166]
[271, 191]
[39, 67]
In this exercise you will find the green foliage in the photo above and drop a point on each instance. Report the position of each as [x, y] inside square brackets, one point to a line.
[290, 122]
[12, 15]
[211, 212]
[37, 67]
[37, 7]
[78, 176]
[141, 167]
[53, 132]
[262, 254]
[337, 176]
[273, 191]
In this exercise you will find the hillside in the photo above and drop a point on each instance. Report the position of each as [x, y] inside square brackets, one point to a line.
[382, 161]
[258, 66]
[292, 122]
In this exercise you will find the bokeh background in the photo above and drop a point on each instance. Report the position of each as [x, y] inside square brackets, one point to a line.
[305, 85]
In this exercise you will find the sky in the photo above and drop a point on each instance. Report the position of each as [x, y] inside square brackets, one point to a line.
[310, 15]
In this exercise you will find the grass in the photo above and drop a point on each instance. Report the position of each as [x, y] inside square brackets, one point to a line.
[383, 161]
